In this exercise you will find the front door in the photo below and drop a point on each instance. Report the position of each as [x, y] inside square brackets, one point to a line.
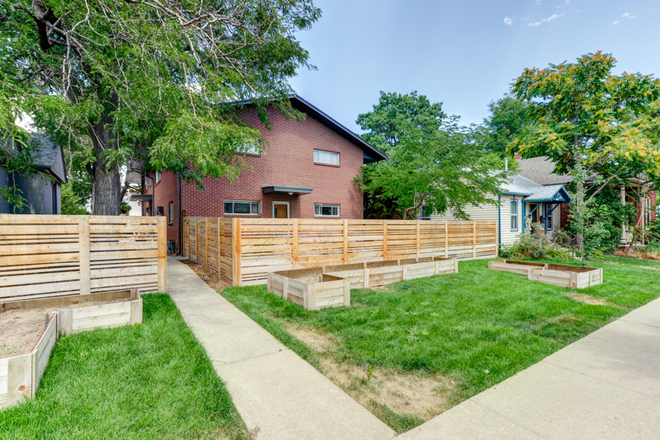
[280, 210]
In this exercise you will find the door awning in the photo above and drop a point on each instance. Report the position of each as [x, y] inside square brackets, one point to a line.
[290, 190]
[142, 197]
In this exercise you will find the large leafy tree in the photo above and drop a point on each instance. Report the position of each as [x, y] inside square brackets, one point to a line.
[591, 123]
[149, 80]
[431, 159]
[508, 116]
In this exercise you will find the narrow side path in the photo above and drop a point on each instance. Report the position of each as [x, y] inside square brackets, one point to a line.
[278, 394]
[604, 386]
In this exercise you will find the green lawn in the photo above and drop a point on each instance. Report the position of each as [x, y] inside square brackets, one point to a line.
[477, 327]
[630, 261]
[149, 381]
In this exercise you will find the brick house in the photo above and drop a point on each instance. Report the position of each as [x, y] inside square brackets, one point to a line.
[306, 171]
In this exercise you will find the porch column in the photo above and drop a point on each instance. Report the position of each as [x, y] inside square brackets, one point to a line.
[622, 195]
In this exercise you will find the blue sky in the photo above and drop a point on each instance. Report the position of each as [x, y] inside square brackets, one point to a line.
[464, 53]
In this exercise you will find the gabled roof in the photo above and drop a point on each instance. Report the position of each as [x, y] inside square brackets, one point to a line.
[47, 156]
[370, 152]
[541, 170]
[535, 192]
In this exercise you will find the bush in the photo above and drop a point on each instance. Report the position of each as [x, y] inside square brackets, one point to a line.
[535, 247]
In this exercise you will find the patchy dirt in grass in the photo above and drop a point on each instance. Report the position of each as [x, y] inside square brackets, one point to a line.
[415, 395]
[634, 253]
[593, 300]
[210, 277]
[20, 330]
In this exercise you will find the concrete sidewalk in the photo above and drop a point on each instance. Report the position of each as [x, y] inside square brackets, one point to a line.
[278, 395]
[604, 386]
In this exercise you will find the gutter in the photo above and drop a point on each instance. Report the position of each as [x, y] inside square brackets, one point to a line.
[178, 193]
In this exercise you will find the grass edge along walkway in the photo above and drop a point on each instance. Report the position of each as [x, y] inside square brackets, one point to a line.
[509, 316]
[151, 380]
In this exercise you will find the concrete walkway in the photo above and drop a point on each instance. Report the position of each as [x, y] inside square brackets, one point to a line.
[604, 386]
[278, 395]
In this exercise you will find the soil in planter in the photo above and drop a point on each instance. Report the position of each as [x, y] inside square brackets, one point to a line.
[20, 330]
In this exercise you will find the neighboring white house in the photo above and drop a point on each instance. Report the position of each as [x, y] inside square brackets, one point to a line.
[522, 205]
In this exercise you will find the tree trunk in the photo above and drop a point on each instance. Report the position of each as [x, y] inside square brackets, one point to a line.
[107, 184]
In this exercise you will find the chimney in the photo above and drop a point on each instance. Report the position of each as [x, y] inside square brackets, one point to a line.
[506, 164]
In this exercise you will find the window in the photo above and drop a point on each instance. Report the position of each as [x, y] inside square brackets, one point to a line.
[548, 218]
[328, 157]
[242, 207]
[323, 210]
[253, 148]
[514, 215]
[160, 210]
[158, 176]
[426, 213]
[170, 213]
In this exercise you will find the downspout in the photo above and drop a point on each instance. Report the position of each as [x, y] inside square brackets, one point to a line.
[523, 216]
[178, 193]
[499, 220]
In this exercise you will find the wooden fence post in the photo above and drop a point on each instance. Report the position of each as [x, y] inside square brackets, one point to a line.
[84, 255]
[384, 239]
[162, 255]
[345, 241]
[219, 244]
[206, 243]
[474, 239]
[418, 237]
[294, 235]
[196, 243]
[446, 239]
[236, 250]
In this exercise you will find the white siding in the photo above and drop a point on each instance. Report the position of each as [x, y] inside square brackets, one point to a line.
[509, 236]
[480, 213]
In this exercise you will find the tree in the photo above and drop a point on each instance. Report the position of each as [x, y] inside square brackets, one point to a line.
[591, 123]
[508, 116]
[431, 161]
[122, 80]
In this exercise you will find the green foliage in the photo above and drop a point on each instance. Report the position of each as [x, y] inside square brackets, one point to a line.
[72, 204]
[431, 159]
[399, 117]
[591, 122]
[508, 116]
[132, 80]
[535, 246]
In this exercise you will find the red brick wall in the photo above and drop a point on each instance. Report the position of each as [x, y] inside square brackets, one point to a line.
[288, 160]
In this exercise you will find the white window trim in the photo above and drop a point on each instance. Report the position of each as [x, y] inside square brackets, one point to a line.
[328, 204]
[545, 208]
[170, 219]
[159, 176]
[328, 163]
[511, 214]
[288, 208]
[242, 201]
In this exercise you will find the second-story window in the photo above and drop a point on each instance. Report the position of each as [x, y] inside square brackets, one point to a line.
[329, 157]
[158, 176]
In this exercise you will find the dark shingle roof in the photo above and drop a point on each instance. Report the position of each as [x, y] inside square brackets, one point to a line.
[541, 170]
[47, 156]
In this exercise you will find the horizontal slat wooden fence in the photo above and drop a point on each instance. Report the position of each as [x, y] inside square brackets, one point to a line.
[243, 251]
[56, 255]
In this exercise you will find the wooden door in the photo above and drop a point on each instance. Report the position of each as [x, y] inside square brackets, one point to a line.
[280, 210]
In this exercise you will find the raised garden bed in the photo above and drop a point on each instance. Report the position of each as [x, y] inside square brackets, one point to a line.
[330, 286]
[575, 277]
[20, 374]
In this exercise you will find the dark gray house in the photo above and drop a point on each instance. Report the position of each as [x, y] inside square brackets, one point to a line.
[43, 192]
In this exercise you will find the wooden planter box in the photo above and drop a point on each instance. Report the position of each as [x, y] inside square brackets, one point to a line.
[330, 286]
[575, 277]
[20, 375]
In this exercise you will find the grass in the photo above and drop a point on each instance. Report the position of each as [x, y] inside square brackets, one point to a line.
[477, 327]
[630, 261]
[147, 381]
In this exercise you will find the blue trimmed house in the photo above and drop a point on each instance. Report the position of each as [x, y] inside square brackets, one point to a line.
[523, 205]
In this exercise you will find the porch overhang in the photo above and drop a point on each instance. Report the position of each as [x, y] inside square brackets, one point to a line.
[290, 190]
[142, 197]
[549, 195]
